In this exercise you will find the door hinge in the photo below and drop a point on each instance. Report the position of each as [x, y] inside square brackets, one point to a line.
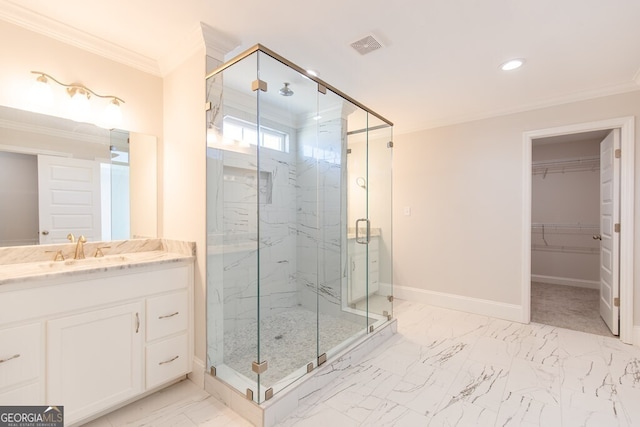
[616, 228]
[616, 302]
[618, 153]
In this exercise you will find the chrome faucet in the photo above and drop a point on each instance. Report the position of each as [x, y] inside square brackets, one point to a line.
[80, 248]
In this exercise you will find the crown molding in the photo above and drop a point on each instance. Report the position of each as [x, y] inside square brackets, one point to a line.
[218, 43]
[567, 99]
[35, 22]
[202, 36]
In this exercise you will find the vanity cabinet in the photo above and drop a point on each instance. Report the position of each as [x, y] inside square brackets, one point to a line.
[358, 268]
[93, 341]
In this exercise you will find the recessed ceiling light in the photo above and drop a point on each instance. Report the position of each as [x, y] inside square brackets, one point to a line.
[512, 64]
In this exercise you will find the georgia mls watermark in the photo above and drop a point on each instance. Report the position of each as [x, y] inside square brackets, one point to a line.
[31, 416]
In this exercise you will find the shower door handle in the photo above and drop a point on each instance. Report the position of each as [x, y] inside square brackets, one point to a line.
[367, 236]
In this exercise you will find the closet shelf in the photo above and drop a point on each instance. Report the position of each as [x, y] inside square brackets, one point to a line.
[581, 164]
[571, 249]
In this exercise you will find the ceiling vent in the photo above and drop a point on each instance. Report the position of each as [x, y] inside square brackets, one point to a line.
[366, 45]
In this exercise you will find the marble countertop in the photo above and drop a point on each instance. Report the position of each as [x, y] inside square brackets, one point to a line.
[23, 264]
[374, 232]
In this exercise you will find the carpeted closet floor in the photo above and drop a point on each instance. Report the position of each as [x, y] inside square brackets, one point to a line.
[567, 307]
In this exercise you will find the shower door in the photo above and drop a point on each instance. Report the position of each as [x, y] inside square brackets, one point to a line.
[369, 278]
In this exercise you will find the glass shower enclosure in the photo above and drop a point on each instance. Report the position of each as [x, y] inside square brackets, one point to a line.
[299, 251]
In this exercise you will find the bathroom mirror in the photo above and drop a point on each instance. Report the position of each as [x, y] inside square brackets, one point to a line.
[59, 177]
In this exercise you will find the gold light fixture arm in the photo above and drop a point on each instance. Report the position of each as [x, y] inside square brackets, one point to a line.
[72, 88]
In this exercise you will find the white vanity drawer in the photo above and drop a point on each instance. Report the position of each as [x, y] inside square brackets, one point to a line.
[166, 315]
[167, 360]
[20, 353]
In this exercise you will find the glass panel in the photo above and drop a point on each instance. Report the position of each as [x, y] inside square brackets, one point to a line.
[288, 226]
[233, 183]
[379, 209]
[356, 227]
[339, 266]
[120, 205]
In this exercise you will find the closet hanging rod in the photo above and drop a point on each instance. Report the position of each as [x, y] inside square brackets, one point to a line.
[563, 162]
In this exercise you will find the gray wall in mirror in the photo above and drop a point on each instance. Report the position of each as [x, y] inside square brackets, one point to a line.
[58, 177]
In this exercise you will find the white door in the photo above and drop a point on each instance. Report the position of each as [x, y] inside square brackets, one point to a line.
[68, 198]
[610, 239]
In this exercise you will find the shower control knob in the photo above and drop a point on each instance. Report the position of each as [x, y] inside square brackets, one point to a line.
[597, 237]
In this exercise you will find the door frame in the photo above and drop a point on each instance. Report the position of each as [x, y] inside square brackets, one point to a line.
[626, 199]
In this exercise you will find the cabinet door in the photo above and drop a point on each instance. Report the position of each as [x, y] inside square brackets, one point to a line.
[94, 359]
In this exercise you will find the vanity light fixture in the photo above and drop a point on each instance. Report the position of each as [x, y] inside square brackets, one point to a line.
[512, 64]
[79, 104]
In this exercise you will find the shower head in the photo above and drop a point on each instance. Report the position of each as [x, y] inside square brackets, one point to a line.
[286, 91]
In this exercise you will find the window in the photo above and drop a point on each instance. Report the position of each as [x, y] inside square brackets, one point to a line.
[245, 133]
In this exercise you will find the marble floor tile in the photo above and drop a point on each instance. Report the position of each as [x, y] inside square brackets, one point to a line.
[445, 368]
[532, 382]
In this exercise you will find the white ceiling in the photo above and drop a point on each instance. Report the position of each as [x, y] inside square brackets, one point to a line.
[440, 60]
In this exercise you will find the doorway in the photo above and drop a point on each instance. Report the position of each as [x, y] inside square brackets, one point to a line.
[565, 233]
[626, 201]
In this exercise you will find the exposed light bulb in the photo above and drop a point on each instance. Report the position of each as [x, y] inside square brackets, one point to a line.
[41, 93]
[78, 104]
[112, 116]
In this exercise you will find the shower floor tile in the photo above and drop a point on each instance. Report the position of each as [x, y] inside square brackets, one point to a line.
[287, 342]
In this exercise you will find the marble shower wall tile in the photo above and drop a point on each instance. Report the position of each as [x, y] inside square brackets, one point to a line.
[321, 215]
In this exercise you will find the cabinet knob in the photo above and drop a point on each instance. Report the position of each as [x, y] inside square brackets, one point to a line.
[45, 233]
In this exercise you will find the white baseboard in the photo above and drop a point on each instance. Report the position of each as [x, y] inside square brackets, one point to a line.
[197, 374]
[385, 288]
[484, 307]
[636, 336]
[553, 280]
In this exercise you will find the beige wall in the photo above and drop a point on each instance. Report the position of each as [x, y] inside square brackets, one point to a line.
[464, 185]
[184, 172]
